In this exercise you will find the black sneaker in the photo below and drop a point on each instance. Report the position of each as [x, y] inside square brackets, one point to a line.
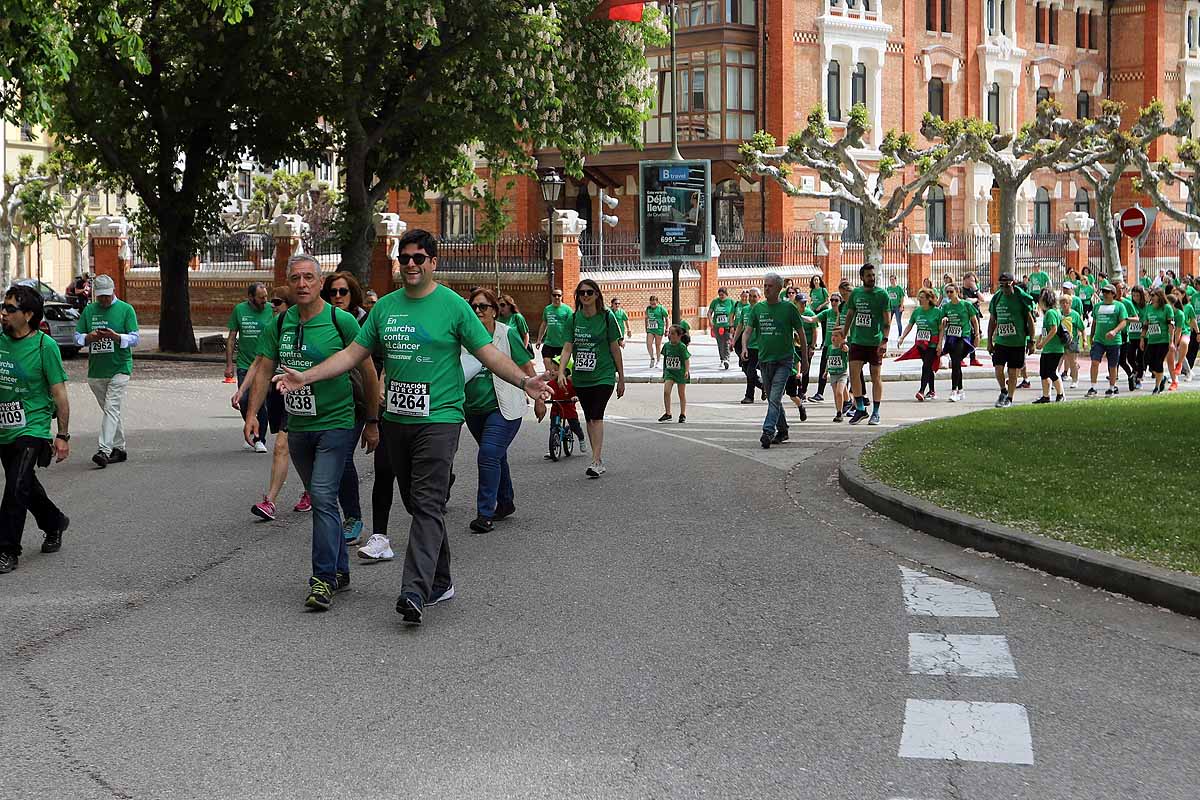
[683, 418]
[747, 401]
[343, 582]
[858, 416]
[1109, 392]
[1023, 385]
[480, 525]
[100, 460]
[504, 511]
[440, 595]
[8, 562]
[816, 398]
[53, 541]
[780, 437]
[765, 441]
[1058, 398]
[803, 414]
[838, 418]
[118, 455]
[1091, 392]
[409, 606]
[1041, 400]
[320, 595]
[665, 418]
[1132, 383]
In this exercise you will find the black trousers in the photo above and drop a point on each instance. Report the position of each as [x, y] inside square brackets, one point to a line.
[382, 493]
[23, 493]
[750, 367]
[928, 356]
[822, 377]
[957, 351]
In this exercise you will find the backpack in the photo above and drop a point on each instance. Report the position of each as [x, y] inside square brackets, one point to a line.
[356, 384]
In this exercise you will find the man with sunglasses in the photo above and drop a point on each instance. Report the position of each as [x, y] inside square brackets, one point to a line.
[33, 388]
[109, 327]
[247, 322]
[556, 326]
[421, 330]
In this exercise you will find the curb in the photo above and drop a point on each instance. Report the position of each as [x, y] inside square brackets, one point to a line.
[739, 378]
[1142, 582]
[195, 358]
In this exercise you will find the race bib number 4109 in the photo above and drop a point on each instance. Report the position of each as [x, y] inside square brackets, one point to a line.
[408, 399]
[12, 415]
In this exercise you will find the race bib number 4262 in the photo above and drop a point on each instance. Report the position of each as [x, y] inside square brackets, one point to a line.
[408, 399]
[12, 415]
[300, 402]
[585, 361]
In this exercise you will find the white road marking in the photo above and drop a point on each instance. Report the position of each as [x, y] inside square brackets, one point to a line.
[781, 458]
[933, 597]
[957, 730]
[954, 654]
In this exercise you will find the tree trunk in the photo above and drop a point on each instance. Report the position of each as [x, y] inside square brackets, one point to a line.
[21, 260]
[1108, 233]
[77, 256]
[5, 259]
[175, 332]
[1008, 229]
[874, 234]
[358, 231]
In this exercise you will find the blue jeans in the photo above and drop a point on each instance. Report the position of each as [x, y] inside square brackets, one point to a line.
[775, 376]
[348, 491]
[320, 458]
[262, 411]
[494, 434]
[898, 315]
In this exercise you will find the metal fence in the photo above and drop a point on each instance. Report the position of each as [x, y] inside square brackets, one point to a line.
[770, 250]
[622, 251]
[237, 252]
[510, 253]
[959, 254]
[1041, 252]
[895, 258]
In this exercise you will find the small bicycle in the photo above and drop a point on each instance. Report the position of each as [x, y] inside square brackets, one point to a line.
[562, 440]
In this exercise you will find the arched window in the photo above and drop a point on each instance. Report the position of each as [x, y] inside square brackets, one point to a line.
[1083, 201]
[931, 15]
[1043, 94]
[937, 97]
[1041, 212]
[1004, 17]
[833, 90]
[945, 16]
[853, 217]
[993, 105]
[935, 214]
[991, 17]
[729, 212]
[1083, 105]
[858, 84]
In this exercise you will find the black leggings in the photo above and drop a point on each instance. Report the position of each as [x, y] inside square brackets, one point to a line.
[957, 350]
[928, 356]
[823, 378]
[751, 370]
[805, 368]
[1193, 346]
[382, 492]
[1136, 358]
[1156, 354]
[1126, 361]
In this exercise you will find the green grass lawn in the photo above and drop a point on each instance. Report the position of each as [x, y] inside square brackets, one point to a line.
[1114, 475]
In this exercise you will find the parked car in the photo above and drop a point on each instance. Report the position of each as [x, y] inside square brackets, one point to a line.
[47, 293]
[58, 322]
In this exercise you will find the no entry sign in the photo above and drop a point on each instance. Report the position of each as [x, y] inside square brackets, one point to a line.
[1134, 222]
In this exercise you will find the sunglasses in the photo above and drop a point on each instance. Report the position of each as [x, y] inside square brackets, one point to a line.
[416, 258]
[585, 292]
[275, 301]
[9, 308]
[341, 291]
[558, 295]
[481, 306]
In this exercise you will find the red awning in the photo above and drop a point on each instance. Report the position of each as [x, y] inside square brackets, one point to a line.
[628, 10]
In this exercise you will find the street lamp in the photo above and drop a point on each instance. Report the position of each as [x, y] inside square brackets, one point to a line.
[552, 186]
[611, 203]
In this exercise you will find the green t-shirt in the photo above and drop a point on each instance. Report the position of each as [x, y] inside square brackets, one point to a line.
[656, 319]
[810, 328]
[776, 325]
[558, 324]
[1009, 312]
[1133, 321]
[1178, 321]
[421, 340]
[838, 360]
[817, 297]
[869, 307]
[1075, 325]
[1077, 304]
[480, 391]
[1038, 281]
[827, 317]
[1189, 314]
[720, 313]
[622, 318]
[327, 404]
[107, 358]
[590, 349]
[1107, 317]
[28, 368]
[518, 323]
[249, 323]
[895, 297]
[1156, 324]
[958, 318]
[674, 358]
[1052, 319]
[927, 323]
[1194, 299]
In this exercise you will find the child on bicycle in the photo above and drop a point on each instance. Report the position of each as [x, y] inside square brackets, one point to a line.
[562, 406]
[676, 371]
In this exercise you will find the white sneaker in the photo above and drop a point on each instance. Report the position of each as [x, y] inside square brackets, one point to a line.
[377, 548]
[260, 447]
[247, 447]
[1074, 384]
[596, 469]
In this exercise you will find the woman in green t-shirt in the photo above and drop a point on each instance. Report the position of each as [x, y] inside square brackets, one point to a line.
[960, 332]
[676, 371]
[510, 314]
[927, 319]
[1158, 320]
[1051, 345]
[595, 343]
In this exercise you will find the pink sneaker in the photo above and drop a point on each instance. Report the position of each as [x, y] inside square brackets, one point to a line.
[920, 397]
[265, 509]
[305, 503]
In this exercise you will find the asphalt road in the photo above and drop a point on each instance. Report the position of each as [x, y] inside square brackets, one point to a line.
[708, 620]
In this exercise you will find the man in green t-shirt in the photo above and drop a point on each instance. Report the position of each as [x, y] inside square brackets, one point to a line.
[247, 322]
[555, 328]
[33, 388]
[1010, 324]
[1109, 320]
[895, 293]
[420, 330]
[865, 328]
[109, 328]
[778, 326]
[748, 355]
[721, 322]
[621, 316]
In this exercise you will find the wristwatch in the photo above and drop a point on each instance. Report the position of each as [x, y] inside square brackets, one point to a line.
[523, 382]
[66, 437]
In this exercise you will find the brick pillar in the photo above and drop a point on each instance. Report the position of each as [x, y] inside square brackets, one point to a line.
[287, 230]
[1189, 254]
[567, 261]
[829, 225]
[110, 237]
[920, 261]
[388, 230]
[779, 84]
[1155, 58]
[709, 283]
[1077, 225]
[994, 266]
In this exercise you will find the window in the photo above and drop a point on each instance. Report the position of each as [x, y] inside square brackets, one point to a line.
[729, 212]
[1083, 105]
[858, 85]
[702, 99]
[991, 16]
[94, 199]
[935, 214]
[937, 91]
[698, 12]
[993, 105]
[931, 7]
[1083, 201]
[244, 184]
[1093, 31]
[325, 167]
[27, 132]
[937, 16]
[1043, 94]
[945, 16]
[833, 88]
[1052, 13]
[853, 216]
[740, 91]
[740, 12]
[1004, 17]
[1039, 27]
[1080, 28]
[1041, 212]
[698, 87]
[458, 218]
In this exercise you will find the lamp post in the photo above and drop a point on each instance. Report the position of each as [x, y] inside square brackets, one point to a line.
[552, 185]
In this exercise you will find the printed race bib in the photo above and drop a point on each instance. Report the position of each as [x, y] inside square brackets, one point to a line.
[301, 402]
[1153, 329]
[408, 399]
[836, 364]
[863, 320]
[12, 415]
[103, 346]
[924, 336]
[585, 361]
[1135, 327]
[954, 330]
[721, 319]
[672, 362]
[1006, 329]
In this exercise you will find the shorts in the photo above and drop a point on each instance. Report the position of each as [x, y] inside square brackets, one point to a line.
[1048, 367]
[1110, 351]
[793, 386]
[866, 353]
[1008, 356]
[276, 415]
[551, 352]
[1156, 354]
[594, 399]
[838, 379]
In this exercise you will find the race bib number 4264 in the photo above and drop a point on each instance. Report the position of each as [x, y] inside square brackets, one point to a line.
[300, 402]
[408, 399]
[12, 415]
[585, 361]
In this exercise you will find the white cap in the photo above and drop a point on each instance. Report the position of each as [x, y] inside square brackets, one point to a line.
[104, 285]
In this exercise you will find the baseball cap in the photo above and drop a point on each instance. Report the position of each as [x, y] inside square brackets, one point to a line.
[1006, 277]
[1108, 287]
[802, 296]
[103, 285]
[1068, 285]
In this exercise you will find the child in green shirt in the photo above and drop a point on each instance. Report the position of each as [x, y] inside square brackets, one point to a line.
[676, 371]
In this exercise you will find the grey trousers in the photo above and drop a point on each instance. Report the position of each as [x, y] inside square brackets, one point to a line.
[422, 456]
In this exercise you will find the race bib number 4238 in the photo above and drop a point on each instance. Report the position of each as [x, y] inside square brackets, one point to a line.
[300, 402]
[408, 399]
[12, 415]
[585, 361]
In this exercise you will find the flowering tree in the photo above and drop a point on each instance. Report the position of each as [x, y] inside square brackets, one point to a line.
[1156, 173]
[909, 170]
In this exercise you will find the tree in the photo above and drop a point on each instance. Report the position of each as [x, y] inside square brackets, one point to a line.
[840, 168]
[208, 83]
[1156, 173]
[416, 91]
[20, 191]
[283, 193]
